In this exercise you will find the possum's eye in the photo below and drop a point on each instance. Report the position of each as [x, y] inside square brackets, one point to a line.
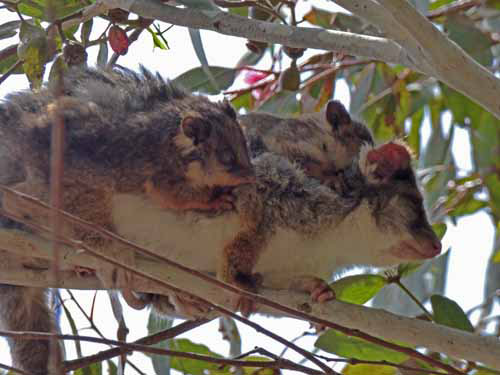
[226, 156]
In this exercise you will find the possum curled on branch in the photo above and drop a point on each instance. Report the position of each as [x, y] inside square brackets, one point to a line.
[125, 133]
[379, 221]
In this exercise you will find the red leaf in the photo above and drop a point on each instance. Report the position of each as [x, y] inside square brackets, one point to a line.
[118, 40]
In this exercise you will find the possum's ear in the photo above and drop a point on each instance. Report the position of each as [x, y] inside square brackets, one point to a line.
[196, 129]
[336, 114]
[389, 161]
[228, 108]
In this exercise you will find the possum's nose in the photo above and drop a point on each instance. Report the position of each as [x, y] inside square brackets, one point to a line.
[436, 246]
[431, 247]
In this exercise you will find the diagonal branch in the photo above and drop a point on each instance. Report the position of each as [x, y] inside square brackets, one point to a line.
[359, 319]
[450, 62]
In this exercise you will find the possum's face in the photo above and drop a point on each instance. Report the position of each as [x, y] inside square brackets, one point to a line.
[221, 154]
[396, 202]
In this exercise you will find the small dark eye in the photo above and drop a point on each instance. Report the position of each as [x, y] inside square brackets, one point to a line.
[325, 148]
[227, 157]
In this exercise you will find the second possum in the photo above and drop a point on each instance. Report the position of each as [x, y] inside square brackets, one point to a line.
[322, 144]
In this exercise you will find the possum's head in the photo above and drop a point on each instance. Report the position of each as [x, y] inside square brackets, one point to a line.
[396, 204]
[349, 135]
[214, 148]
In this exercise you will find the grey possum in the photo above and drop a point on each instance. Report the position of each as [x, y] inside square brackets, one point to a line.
[125, 132]
[322, 144]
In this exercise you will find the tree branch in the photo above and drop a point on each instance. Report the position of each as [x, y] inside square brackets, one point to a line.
[451, 63]
[421, 47]
[373, 321]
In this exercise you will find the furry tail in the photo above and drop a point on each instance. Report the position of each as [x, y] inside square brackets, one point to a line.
[26, 309]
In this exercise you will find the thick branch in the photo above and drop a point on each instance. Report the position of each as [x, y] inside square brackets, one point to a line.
[450, 62]
[225, 23]
[373, 13]
[425, 48]
[373, 321]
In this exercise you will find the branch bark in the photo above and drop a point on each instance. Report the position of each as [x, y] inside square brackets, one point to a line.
[450, 62]
[375, 322]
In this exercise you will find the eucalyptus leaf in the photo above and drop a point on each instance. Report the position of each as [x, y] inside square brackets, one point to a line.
[364, 369]
[192, 366]
[9, 29]
[358, 289]
[161, 363]
[447, 312]
[352, 347]
[196, 79]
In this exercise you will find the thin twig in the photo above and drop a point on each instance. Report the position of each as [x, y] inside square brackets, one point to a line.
[12, 369]
[281, 364]
[10, 71]
[148, 340]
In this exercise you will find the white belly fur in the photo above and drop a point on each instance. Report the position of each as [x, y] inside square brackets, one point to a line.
[197, 241]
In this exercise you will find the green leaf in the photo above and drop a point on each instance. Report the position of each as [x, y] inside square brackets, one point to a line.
[413, 138]
[195, 36]
[230, 333]
[102, 55]
[85, 31]
[467, 206]
[257, 370]
[157, 42]
[8, 61]
[363, 88]
[439, 3]
[496, 257]
[463, 31]
[243, 101]
[196, 79]
[363, 369]
[9, 29]
[112, 369]
[439, 229]
[93, 369]
[161, 363]
[358, 289]
[406, 269]
[239, 11]
[352, 347]
[284, 102]
[58, 8]
[449, 313]
[191, 366]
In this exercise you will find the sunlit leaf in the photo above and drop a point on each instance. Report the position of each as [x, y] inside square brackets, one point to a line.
[93, 369]
[364, 369]
[191, 366]
[352, 347]
[439, 229]
[496, 257]
[358, 289]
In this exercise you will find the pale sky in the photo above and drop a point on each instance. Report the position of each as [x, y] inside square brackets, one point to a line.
[471, 240]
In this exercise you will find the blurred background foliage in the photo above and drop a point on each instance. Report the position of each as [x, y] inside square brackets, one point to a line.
[394, 101]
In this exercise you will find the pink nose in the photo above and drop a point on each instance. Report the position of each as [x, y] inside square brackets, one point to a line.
[436, 247]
